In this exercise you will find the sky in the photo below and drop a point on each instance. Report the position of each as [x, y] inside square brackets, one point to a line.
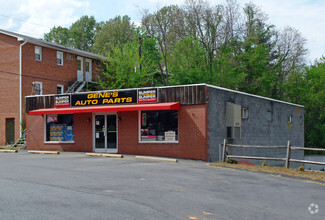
[36, 17]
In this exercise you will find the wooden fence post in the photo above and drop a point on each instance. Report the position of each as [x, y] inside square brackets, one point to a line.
[288, 155]
[224, 150]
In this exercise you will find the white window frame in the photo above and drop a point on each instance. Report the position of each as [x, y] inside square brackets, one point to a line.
[61, 57]
[41, 87]
[289, 119]
[57, 142]
[38, 49]
[244, 113]
[62, 88]
[144, 142]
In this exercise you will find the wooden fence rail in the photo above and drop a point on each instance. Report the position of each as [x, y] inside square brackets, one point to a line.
[286, 159]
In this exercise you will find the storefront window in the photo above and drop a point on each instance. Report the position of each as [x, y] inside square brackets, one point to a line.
[60, 128]
[159, 126]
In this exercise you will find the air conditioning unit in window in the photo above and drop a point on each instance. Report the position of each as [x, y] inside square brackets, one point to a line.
[233, 121]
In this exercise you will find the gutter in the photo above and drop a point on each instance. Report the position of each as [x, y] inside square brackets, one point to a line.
[20, 81]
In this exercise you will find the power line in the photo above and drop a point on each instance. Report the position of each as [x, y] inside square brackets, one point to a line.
[21, 20]
[31, 84]
[29, 76]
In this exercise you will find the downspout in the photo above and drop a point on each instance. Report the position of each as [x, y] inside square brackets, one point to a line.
[21, 82]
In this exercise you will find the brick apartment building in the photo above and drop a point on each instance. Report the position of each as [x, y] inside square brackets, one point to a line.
[29, 66]
[189, 121]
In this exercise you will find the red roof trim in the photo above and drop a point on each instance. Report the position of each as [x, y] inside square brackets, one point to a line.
[108, 108]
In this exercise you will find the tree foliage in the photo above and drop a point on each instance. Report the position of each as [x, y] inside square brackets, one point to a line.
[113, 32]
[227, 45]
[125, 69]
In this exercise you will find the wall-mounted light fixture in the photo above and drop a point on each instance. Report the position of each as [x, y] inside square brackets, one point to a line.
[88, 120]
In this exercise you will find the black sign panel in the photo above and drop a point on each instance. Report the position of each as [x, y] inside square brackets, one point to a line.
[104, 98]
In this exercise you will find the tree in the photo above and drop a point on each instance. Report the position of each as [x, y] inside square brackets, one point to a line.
[58, 35]
[82, 33]
[113, 32]
[315, 104]
[122, 68]
[163, 25]
[188, 62]
[256, 49]
[289, 58]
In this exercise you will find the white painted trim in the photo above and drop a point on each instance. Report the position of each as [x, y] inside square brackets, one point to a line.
[89, 61]
[21, 83]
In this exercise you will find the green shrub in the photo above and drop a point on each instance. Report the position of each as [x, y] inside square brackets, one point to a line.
[231, 160]
[264, 164]
[301, 168]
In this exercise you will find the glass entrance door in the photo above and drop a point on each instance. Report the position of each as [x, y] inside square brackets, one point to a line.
[105, 133]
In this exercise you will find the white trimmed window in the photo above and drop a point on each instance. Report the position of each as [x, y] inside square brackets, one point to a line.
[59, 58]
[38, 87]
[38, 53]
[244, 113]
[289, 119]
[60, 89]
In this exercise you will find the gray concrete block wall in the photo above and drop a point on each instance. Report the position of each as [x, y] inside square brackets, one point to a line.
[255, 130]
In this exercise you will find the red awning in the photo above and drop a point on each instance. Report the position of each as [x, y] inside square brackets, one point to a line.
[108, 108]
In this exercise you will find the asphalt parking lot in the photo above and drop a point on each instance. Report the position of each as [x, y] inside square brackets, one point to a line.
[73, 186]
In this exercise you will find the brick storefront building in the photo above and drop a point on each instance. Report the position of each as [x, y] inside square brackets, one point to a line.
[29, 66]
[188, 121]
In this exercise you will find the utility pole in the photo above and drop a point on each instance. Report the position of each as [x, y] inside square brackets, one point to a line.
[139, 38]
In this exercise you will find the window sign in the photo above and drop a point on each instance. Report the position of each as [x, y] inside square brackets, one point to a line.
[159, 126]
[52, 118]
[61, 129]
[144, 119]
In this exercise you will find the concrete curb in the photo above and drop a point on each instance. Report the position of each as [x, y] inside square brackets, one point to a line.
[8, 151]
[43, 152]
[105, 155]
[161, 159]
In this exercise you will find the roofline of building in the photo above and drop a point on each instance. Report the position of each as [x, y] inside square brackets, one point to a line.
[256, 96]
[43, 43]
[200, 84]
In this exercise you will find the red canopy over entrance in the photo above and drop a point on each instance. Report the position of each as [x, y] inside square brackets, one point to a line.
[108, 108]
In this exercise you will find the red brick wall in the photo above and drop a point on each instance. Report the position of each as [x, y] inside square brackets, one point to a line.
[32, 71]
[9, 84]
[82, 128]
[192, 135]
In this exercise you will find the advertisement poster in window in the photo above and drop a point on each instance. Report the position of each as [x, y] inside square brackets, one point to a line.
[52, 118]
[147, 95]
